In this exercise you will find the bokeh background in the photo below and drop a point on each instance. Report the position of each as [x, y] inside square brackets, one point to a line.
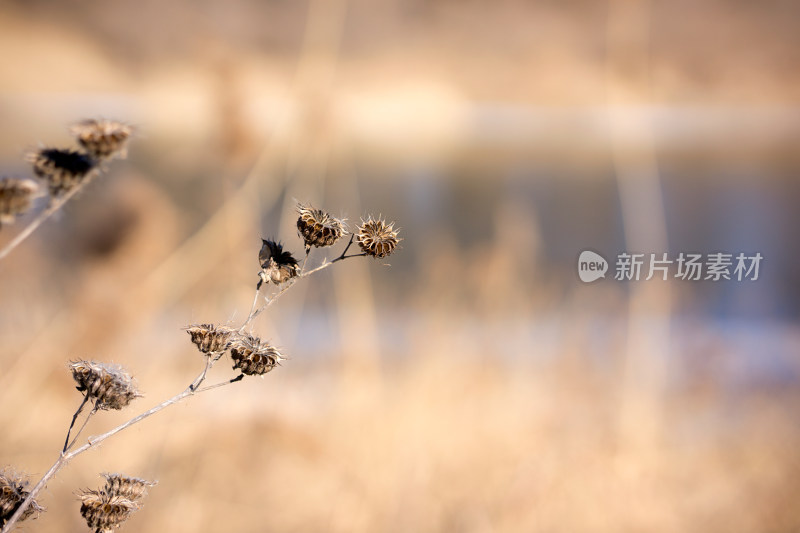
[476, 384]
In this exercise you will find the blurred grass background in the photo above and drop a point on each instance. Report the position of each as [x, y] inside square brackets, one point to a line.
[476, 385]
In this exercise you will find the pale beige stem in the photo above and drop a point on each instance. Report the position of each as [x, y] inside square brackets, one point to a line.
[92, 442]
[54, 206]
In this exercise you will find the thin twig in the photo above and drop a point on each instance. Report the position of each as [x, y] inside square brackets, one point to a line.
[303, 274]
[54, 206]
[199, 379]
[253, 307]
[222, 384]
[74, 418]
[58, 465]
[349, 243]
[78, 434]
[65, 457]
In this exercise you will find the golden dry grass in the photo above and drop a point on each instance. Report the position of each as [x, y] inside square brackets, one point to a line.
[436, 444]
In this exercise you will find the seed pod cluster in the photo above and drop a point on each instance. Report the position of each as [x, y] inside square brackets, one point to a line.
[210, 338]
[102, 139]
[13, 491]
[377, 238]
[62, 170]
[250, 354]
[254, 357]
[106, 509]
[277, 265]
[108, 386]
[317, 227]
[16, 196]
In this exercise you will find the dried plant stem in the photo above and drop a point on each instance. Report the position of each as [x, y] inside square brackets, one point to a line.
[65, 456]
[194, 387]
[74, 418]
[240, 377]
[55, 205]
[252, 307]
[78, 434]
[200, 378]
[288, 285]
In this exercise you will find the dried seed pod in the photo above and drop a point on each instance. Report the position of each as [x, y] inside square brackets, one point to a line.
[63, 170]
[277, 266]
[377, 238]
[318, 228]
[16, 196]
[254, 357]
[103, 511]
[103, 139]
[13, 491]
[131, 488]
[210, 338]
[109, 386]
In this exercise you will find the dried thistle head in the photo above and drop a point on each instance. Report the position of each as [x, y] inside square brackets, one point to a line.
[16, 196]
[62, 170]
[103, 511]
[277, 265]
[131, 488]
[210, 338]
[108, 386]
[318, 228]
[377, 238]
[106, 509]
[103, 139]
[13, 491]
[254, 357]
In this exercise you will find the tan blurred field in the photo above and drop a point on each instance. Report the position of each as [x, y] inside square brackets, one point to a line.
[475, 385]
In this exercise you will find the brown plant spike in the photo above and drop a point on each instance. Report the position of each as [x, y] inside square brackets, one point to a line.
[63, 170]
[277, 266]
[105, 512]
[318, 228]
[16, 196]
[103, 139]
[377, 238]
[210, 338]
[109, 386]
[253, 357]
[12, 493]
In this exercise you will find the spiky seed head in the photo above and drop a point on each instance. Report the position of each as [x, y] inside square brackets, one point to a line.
[254, 357]
[108, 386]
[104, 511]
[131, 488]
[318, 228]
[103, 139]
[16, 196]
[210, 338]
[62, 170]
[377, 238]
[277, 265]
[13, 491]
